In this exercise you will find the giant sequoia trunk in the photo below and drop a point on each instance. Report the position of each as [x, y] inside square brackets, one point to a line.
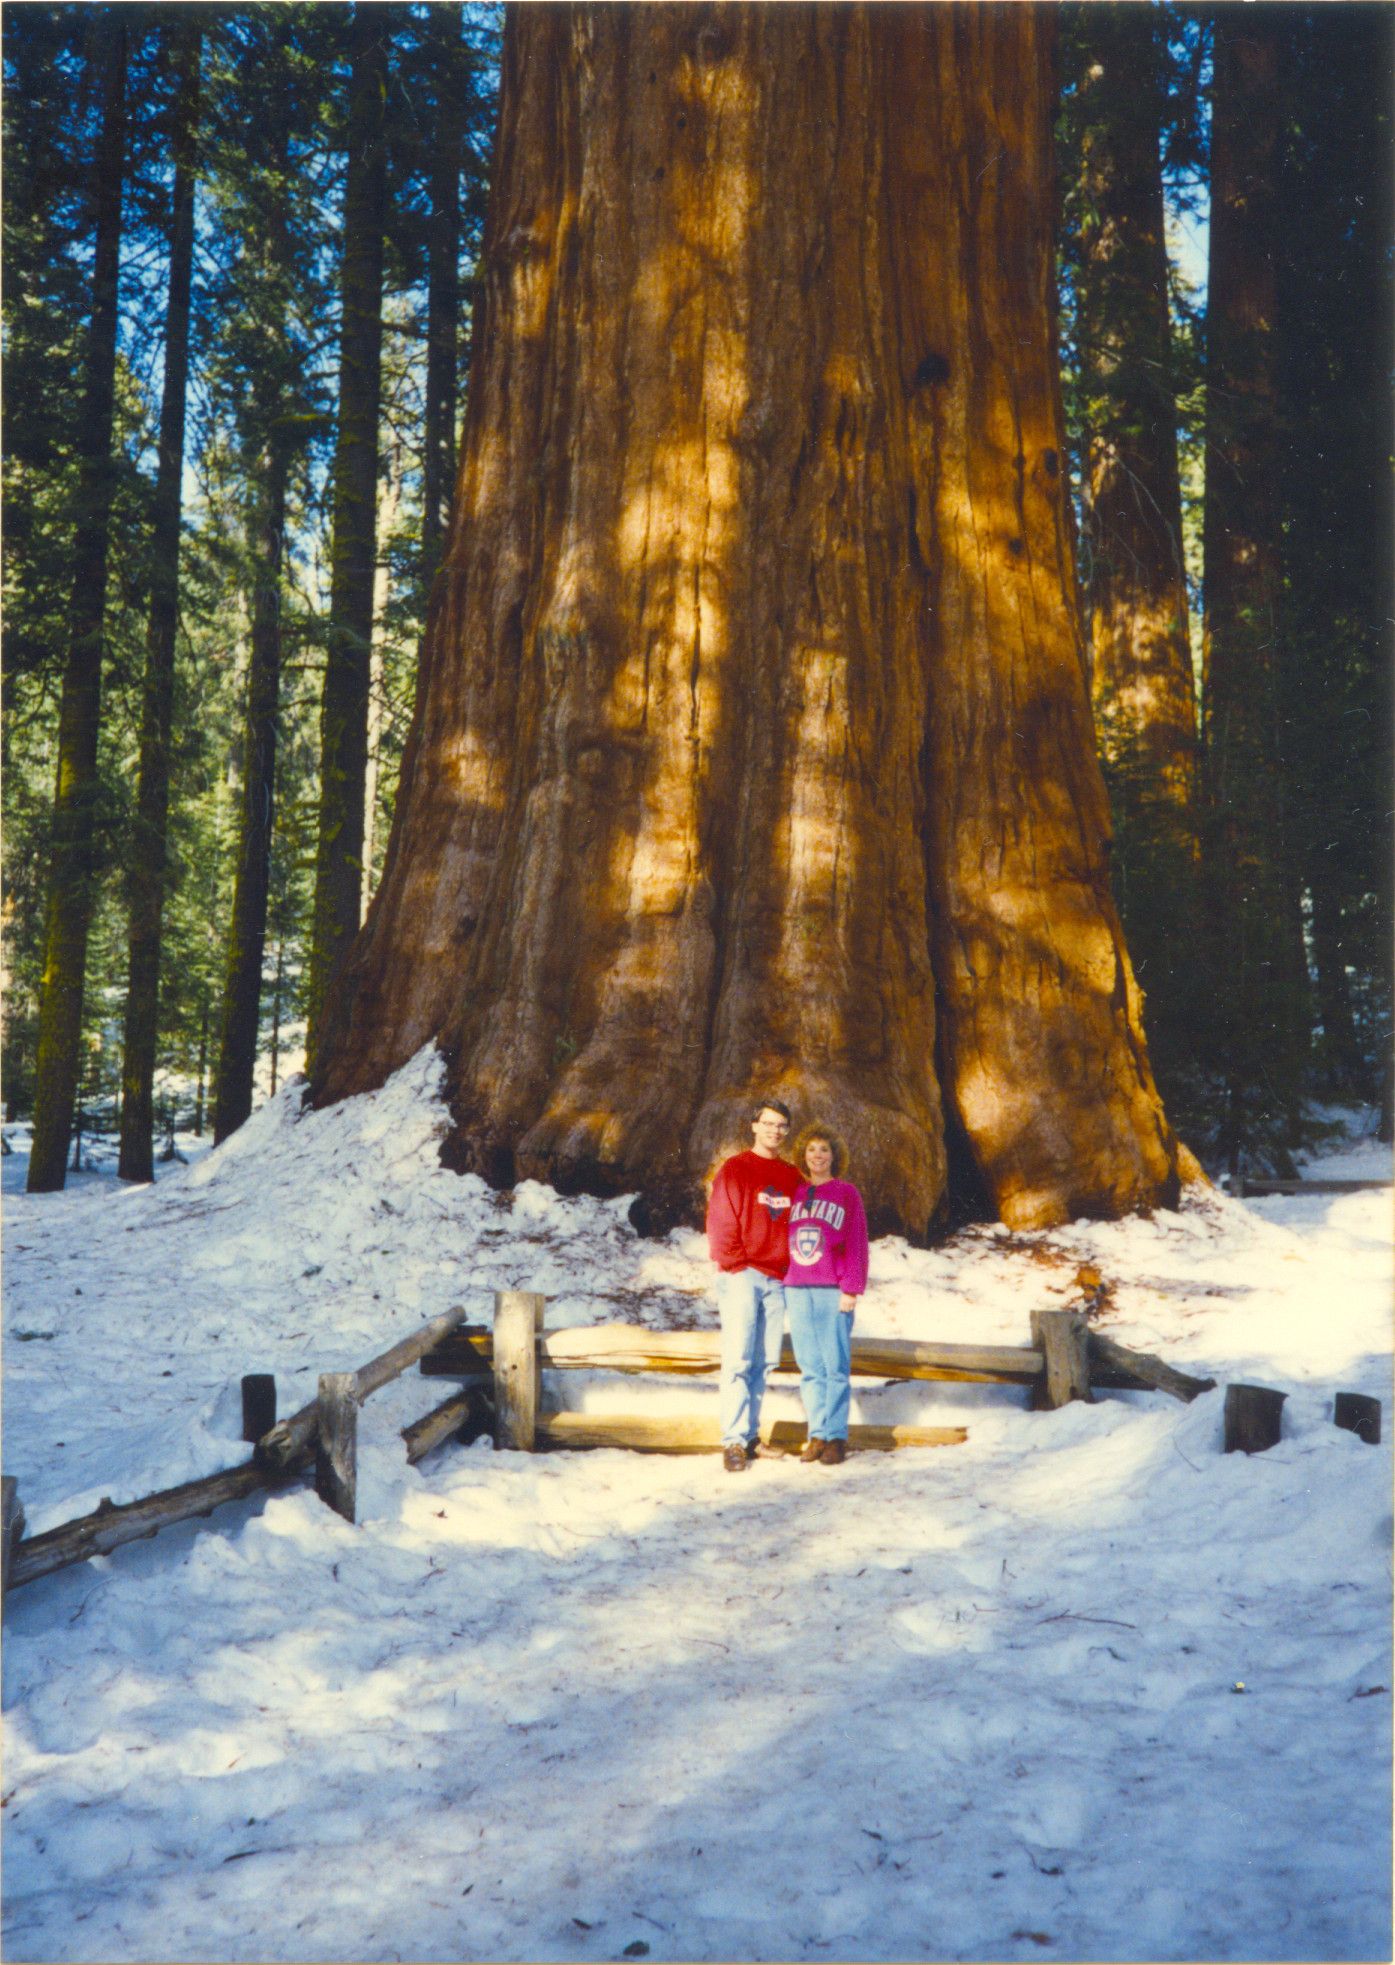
[752, 748]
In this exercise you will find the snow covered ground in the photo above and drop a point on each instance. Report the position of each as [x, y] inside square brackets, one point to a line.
[1083, 1687]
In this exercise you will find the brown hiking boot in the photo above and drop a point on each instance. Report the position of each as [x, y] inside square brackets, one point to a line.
[835, 1452]
[813, 1450]
[764, 1450]
[734, 1459]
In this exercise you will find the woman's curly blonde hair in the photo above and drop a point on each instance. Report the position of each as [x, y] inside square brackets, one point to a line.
[816, 1130]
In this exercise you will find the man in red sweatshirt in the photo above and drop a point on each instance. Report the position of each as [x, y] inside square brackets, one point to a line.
[748, 1239]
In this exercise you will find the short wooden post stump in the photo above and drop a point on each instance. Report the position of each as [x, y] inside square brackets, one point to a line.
[258, 1404]
[336, 1443]
[1253, 1418]
[1356, 1412]
[11, 1527]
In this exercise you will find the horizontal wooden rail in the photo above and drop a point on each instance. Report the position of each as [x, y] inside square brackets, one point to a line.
[468, 1352]
[676, 1433]
[279, 1452]
[287, 1440]
[109, 1527]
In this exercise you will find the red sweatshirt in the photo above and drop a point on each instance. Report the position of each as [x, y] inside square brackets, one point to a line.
[748, 1214]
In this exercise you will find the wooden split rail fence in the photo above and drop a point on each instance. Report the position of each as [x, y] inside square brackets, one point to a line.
[500, 1368]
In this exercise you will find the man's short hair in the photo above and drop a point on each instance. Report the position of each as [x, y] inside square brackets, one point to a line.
[770, 1105]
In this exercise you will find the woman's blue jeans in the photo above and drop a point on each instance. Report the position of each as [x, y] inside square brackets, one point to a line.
[822, 1338]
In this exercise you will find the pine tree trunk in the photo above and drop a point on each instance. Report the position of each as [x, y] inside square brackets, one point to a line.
[443, 288]
[203, 1072]
[1255, 959]
[382, 587]
[1135, 582]
[1345, 1068]
[147, 874]
[1135, 589]
[277, 984]
[69, 910]
[237, 1048]
[753, 715]
[344, 714]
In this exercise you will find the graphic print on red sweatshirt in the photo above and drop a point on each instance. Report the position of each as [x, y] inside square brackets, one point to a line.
[748, 1213]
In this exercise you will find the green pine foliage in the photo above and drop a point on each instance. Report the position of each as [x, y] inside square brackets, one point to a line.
[263, 357]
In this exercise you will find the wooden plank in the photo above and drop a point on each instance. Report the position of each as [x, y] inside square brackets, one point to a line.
[289, 1439]
[983, 1364]
[517, 1317]
[1062, 1336]
[336, 1443]
[465, 1353]
[109, 1527]
[465, 1415]
[1359, 1413]
[631, 1348]
[1116, 1366]
[11, 1528]
[1253, 1418]
[258, 1404]
[679, 1433]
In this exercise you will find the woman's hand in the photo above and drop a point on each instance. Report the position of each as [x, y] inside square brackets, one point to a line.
[847, 1304]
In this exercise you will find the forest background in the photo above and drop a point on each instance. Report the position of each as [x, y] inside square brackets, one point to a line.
[242, 271]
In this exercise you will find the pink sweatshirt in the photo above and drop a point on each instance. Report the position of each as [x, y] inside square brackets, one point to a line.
[828, 1238]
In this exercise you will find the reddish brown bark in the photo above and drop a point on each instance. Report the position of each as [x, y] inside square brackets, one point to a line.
[753, 707]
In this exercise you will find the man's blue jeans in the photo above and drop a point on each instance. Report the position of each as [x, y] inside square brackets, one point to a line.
[751, 1306]
[822, 1338]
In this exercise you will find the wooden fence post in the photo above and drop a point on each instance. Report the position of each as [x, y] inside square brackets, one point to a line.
[1356, 1412]
[336, 1444]
[258, 1404]
[1253, 1418]
[518, 1316]
[11, 1527]
[1062, 1337]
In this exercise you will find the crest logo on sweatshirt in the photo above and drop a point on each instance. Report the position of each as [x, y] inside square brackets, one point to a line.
[773, 1200]
[806, 1242]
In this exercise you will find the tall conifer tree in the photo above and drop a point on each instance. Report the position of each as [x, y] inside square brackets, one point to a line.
[1257, 1033]
[344, 715]
[150, 845]
[70, 878]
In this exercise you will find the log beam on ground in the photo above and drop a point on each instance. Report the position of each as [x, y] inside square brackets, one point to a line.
[677, 1433]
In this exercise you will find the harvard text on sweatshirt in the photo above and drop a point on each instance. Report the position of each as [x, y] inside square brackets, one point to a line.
[828, 1238]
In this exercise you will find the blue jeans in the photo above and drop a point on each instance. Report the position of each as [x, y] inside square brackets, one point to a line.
[822, 1335]
[751, 1306]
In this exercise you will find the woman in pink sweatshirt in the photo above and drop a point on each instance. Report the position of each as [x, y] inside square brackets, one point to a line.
[826, 1276]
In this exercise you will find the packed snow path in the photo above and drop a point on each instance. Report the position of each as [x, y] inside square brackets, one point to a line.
[1081, 1688]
